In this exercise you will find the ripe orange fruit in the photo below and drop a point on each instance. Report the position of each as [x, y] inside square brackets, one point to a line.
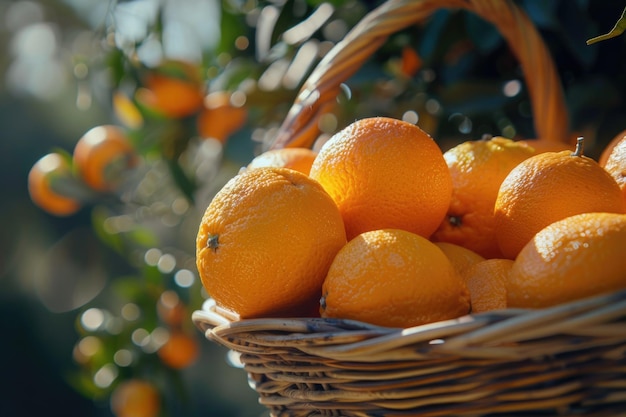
[615, 163]
[548, 187]
[266, 241]
[135, 398]
[573, 258]
[393, 278]
[385, 173]
[47, 171]
[174, 88]
[219, 118]
[180, 351]
[460, 257]
[102, 156]
[619, 138]
[477, 169]
[486, 282]
[299, 159]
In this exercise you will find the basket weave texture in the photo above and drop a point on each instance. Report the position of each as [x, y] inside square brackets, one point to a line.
[567, 360]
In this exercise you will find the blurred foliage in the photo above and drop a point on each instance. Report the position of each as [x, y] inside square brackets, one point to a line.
[118, 268]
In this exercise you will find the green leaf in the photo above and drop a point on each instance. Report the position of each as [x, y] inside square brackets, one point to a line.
[617, 30]
[143, 236]
[185, 184]
[114, 241]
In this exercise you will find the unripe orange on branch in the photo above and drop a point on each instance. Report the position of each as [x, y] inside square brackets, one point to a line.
[174, 88]
[44, 173]
[135, 398]
[102, 156]
[219, 118]
[180, 351]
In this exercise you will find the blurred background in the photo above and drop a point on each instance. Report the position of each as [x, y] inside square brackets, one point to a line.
[90, 298]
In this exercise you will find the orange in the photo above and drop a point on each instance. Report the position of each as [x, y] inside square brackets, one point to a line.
[460, 257]
[180, 351]
[477, 169]
[573, 258]
[410, 62]
[174, 89]
[549, 187]
[393, 278]
[102, 156]
[44, 174]
[486, 282]
[299, 159]
[219, 118]
[135, 398]
[619, 138]
[615, 162]
[266, 242]
[385, 173]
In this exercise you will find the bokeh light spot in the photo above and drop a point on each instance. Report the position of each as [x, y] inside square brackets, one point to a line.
[242, 43]
[105, 375]
[169, 298]
[86, 348]
[131, 311]
[433, 106]
[512, 88]
[184, 278]
[152, 256]
[328, 123]
[166, 263]
[411, 116]
[123, 357]
[92, 319]
[159, 336]
[140, 337]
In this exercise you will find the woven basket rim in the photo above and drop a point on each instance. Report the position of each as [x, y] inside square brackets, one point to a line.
[569, 359]
[508, 333]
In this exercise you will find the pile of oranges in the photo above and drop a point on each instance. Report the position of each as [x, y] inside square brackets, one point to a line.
[380, 225]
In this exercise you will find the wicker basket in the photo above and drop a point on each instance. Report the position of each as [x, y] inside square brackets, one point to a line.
[566, 360]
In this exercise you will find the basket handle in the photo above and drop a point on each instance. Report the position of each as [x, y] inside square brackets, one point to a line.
[317, 95]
